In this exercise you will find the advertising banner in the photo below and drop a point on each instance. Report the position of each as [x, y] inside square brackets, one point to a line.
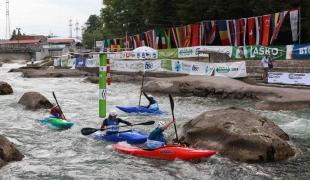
[300, 51]
[139, 55]
[233, 70]
[132, 66]
[289, 78]
[168, 53]
[80, 62]
[258, 52]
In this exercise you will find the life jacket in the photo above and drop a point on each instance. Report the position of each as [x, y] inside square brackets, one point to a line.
[55, 113]
[157, 142]
[154, 106]
[113, 126]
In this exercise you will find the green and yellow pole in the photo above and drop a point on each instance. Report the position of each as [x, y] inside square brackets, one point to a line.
[102, 85]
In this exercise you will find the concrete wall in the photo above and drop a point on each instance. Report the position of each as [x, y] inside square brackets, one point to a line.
[15, 56]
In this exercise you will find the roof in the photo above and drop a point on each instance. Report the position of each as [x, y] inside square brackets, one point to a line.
[20, 41]
[62, 40]
[22, 37]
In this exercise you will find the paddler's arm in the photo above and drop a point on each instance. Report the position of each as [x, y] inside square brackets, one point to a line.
[125, 122]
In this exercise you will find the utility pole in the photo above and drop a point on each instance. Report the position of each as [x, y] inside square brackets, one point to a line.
[7, 29]
[18, 34]
[77, 29]
[70, 25]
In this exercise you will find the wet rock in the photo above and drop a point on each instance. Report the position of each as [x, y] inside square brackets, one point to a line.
[8, 152]
[5, 88]
[34, 101]
[237, 134]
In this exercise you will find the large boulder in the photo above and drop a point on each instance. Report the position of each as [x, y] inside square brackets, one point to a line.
[8, 152]
[34, 101]
[237, 134]
[5, 88]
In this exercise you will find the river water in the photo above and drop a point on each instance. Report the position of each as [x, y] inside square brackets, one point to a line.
[67, 154]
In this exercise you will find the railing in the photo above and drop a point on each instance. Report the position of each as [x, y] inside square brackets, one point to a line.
[18, 49]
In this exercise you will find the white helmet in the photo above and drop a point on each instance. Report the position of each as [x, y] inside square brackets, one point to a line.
[113, 112]
[159, 124]
[150, 95]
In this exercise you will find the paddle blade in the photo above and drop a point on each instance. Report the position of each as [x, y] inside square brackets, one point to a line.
[171, 104]
[88, 131]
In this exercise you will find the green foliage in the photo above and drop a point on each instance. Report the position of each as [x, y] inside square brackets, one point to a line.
[131, 17]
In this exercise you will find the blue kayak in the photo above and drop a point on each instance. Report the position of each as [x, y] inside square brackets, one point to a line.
[140, 109]
[131, 136]
[57, 122]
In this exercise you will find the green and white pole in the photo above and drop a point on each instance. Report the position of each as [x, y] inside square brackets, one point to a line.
[103, 85]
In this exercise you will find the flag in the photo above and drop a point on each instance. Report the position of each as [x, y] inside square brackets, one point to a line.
[202, 34]
[230, 31]
[243, 25]
[134, 42]
[278, 26]
[237, 32]
[142, 39]
[210, 31]
[222, 27]
[183, 35]
[294, 21]
[167, 38]
[266, 25]
[188, 36]
[273, 21]
[156, 35]
[150, 35]
[138, 40]
[121, 44]
[251, 31]
[112, 45]
[258, 27]
[174, 38]
[195, 34]
[178, 35]
[108, 43]
[146, 39]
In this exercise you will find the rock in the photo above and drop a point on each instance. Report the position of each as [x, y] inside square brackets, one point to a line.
[53, 73]
[34, 101]
[5, 88]
[8, 152]
[237, 134]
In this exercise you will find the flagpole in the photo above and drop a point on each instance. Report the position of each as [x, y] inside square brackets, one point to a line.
[299, 23]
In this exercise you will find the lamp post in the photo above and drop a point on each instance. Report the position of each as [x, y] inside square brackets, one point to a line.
[18, 33]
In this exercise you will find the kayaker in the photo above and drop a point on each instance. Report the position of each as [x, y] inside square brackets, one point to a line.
[111, 123]
[157, 139]
[153, 105]
[56, 112]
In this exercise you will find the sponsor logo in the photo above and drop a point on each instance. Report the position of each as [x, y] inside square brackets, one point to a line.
[195, 68]
[148, 65]
[166, 152]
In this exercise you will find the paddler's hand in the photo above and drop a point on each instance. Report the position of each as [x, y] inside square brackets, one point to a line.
[132, 124]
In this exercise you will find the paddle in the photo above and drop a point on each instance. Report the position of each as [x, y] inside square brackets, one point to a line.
[58, 104]
[172, 107]
[88, 131]
[141, 88]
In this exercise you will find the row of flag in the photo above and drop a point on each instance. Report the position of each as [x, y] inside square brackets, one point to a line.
[260, 30]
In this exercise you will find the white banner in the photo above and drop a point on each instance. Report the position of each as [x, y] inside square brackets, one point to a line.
[294, 22]
[139, 55]
[131, 66]
[289, 78]
[117, 55]
[233, 69]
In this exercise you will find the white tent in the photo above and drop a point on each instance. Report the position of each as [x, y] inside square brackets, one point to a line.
[144, 49]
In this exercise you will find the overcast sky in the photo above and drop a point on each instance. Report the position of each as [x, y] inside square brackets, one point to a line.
[44, 17]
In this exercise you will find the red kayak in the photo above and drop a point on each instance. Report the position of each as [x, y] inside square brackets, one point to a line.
[167, 152]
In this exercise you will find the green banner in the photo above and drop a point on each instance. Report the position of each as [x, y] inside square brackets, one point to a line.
[166, 64]
[258, 52]
[64, 63]
[168, 53]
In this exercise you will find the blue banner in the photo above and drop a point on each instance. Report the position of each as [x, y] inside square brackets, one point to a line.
[80, 62]
[301, 51]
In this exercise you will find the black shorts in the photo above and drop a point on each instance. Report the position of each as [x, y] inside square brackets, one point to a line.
[270, 66]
